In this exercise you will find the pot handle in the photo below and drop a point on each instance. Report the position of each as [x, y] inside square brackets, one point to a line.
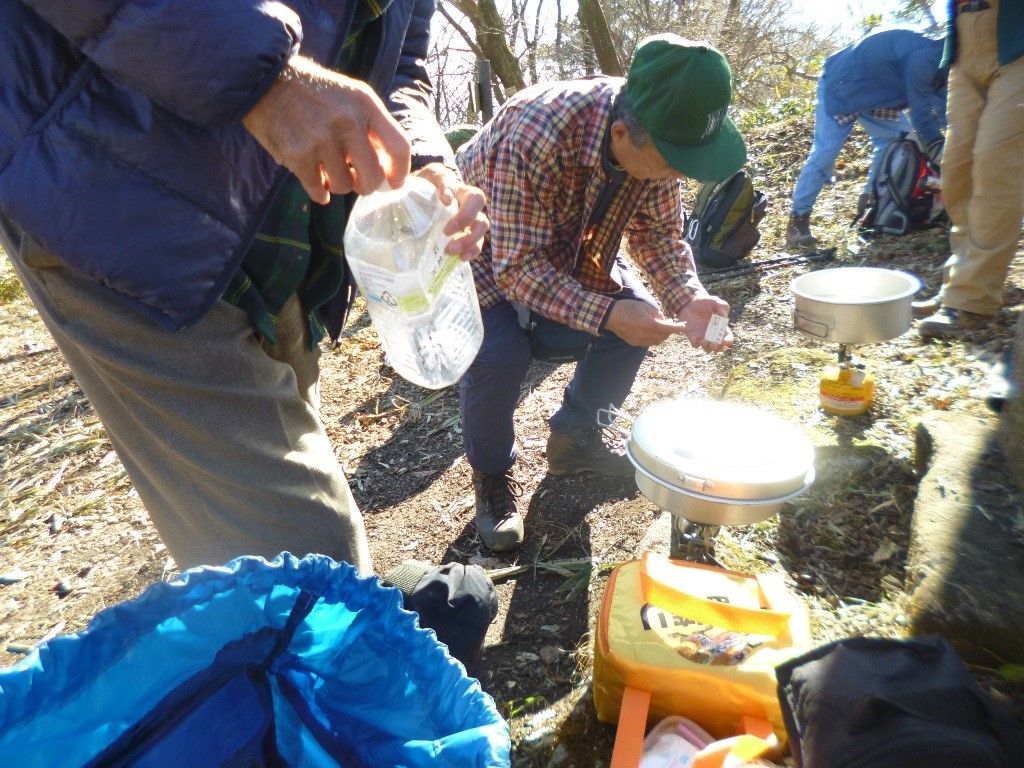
[806, 324]
[606, 418]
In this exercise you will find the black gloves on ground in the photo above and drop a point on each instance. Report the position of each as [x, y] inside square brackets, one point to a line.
[457, 601]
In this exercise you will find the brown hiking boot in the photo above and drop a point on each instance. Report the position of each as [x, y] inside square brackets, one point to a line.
[863, 203]
[798, 231]
[949, 323]
[582, 449]
[925, 307]
[498, 521]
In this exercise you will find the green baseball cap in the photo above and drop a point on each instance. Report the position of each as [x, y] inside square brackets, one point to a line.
[680, 91]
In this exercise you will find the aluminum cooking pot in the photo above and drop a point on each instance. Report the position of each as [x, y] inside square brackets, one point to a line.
[718, 463]
[854, 305]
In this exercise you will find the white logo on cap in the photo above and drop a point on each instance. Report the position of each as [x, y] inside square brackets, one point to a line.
[714, 121]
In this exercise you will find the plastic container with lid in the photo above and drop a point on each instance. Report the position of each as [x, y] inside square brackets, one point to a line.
[421, 300]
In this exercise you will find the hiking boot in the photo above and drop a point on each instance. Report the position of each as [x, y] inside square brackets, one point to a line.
[582, 449]
[949, 323]
[498, 521]
[798, 231]
[862, 205]
[925, 307]
[998, 387]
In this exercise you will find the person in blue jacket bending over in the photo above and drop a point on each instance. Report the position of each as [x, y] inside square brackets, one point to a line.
[174, 182]
[875, 81]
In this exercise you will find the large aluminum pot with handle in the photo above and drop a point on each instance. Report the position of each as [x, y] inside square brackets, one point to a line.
[854, 305]
[718, 463]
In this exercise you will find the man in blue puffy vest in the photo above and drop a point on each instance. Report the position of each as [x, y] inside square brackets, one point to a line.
[174, 184]
[875, 82]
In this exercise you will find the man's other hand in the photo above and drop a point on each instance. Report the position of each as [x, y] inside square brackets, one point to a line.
[331, 131]
[640, 324]
[468, 226]
[697, 314]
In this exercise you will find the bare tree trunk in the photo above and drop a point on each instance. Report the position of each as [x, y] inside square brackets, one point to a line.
[593, 20]
[490, 35]
[476, 49]
[532, 50]
[731, 23]
[558, 41]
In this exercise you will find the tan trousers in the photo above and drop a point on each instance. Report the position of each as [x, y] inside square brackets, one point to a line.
[982, 166]
[220, 435]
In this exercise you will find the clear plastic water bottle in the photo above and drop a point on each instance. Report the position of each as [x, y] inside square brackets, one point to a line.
[421, 300]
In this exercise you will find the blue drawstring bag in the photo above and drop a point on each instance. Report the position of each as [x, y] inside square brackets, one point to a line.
[289, 663]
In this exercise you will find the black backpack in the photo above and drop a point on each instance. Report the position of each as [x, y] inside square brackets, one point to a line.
[871, 702]
[722, 229]
[903, 195]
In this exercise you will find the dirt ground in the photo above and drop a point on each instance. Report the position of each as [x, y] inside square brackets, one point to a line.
[75, 539]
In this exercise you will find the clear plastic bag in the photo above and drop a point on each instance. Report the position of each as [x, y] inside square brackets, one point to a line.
[677, 742]
[673, 743]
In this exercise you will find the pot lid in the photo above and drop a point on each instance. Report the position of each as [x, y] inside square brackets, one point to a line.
[721, 449]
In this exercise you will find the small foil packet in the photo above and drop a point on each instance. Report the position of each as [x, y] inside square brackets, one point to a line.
[717, 327]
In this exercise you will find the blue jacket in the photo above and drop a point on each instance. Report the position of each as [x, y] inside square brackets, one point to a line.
[1009, 32]
[889, 68]
[121, 147]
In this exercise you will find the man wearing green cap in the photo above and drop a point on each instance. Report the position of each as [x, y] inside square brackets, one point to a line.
[569, 169]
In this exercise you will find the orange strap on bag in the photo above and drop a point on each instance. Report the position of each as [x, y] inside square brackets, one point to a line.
[629, 736]
[758, 739]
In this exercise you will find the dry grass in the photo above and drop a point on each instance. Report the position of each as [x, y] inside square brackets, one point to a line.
[73, 536]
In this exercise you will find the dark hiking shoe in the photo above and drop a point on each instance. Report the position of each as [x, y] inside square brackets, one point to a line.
[925, 307]
[863, 203]
[498, 521]
[582, 449]
[798, 232]
[999, 389]
[949, 323]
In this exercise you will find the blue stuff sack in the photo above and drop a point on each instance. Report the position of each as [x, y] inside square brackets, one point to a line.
[258, 664]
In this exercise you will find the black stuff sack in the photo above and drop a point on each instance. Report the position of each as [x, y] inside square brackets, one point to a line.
[879, 703]
[904, 192]
[723, 226]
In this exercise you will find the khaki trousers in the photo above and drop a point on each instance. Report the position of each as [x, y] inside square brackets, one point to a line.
[220, 434]
[982, 166]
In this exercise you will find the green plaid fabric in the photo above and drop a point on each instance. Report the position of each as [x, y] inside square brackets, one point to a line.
[299, 248]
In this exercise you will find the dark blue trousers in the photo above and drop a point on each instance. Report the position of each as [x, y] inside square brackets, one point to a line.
[606, 367]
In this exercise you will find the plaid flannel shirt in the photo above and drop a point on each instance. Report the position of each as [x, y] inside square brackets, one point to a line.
[882, 113]
[539, 162]
[299, 247]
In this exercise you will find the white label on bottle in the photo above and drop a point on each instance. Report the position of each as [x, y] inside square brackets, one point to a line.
[410, 293]
[381, 286]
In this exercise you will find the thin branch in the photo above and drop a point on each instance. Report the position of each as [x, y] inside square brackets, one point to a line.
[476, 49]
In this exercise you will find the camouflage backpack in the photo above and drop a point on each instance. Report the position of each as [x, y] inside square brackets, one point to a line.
[459, 134]
[723, 226]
